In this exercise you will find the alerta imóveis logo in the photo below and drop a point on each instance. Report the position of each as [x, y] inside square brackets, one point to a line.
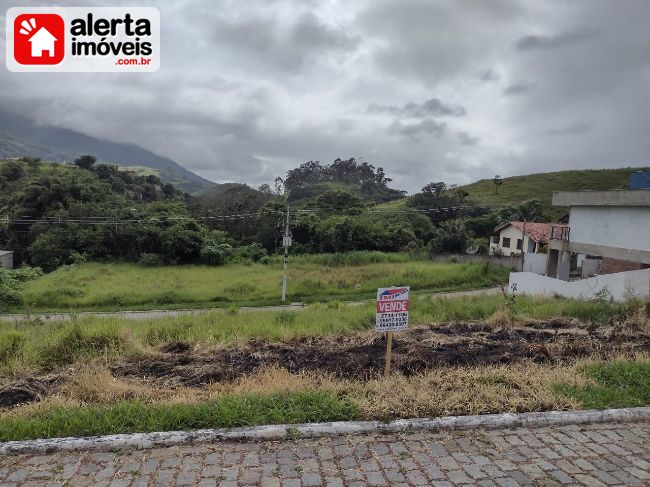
[73, 39]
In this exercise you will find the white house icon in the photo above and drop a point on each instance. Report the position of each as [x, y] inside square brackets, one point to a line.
[42, 41]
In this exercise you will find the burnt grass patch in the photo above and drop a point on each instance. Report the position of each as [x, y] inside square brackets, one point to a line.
[360, 356]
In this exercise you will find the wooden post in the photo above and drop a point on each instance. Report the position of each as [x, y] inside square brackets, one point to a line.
[389, 349]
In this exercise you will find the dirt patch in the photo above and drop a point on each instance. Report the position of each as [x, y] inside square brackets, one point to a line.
[361, 355]
[25, 390]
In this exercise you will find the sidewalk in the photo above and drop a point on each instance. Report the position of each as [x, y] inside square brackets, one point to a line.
[590, 455]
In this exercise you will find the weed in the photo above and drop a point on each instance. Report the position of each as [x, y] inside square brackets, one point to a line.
[75, 343]
[285, 317]
[622, 383]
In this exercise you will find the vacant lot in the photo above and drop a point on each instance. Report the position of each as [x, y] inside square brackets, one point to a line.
[129, 286]
[462, 356]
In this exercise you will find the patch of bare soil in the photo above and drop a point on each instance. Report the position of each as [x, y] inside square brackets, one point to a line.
[361, 355]
[26, 390]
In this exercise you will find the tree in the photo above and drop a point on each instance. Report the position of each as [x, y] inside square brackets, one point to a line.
[435, 188]
[498, 181]
[339, 202]
[12, 171]
[451, 236]
[85, 162]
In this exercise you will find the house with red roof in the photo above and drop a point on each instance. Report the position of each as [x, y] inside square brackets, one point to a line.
[511, 238]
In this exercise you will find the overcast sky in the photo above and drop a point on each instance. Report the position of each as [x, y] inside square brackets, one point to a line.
[430, 90]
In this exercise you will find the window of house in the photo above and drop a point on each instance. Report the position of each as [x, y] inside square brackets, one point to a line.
[505, 242]
[520, 244]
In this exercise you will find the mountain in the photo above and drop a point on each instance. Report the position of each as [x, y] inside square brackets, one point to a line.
[20, 137]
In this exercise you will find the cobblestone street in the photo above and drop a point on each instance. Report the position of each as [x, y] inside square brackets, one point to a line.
[593, 455]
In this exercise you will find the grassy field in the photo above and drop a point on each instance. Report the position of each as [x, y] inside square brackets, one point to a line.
[129, 286]
[34, 344]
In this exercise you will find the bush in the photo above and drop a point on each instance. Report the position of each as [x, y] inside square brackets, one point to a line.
[75, 343]
[254, 252]
[9, 297]
[215, 254]
[151, 260]
[12, 281]
[11, 346]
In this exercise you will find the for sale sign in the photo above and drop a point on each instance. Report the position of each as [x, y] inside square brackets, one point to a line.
[392, 309]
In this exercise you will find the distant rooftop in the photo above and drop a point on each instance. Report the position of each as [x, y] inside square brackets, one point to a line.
[539, 232]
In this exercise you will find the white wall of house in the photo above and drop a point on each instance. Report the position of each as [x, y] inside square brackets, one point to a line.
[535, 263]
[625, 227]
[514, 234]
[621, 285]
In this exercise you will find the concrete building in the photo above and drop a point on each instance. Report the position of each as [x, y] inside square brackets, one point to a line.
[603, 251]
[612, 225]
[510, 238]
[6, 259]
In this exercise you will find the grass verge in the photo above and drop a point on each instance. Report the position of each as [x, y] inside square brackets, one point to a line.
[618, 384]
[135, 416]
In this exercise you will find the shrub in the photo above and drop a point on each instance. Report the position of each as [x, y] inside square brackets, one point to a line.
[215, 254]
[284, 317]
[164, 334]
[150, 260]
[9, 297]
[12, 281]
[75, 343]
[11, 346]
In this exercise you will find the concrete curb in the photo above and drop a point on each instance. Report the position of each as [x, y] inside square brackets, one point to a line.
[313, 430]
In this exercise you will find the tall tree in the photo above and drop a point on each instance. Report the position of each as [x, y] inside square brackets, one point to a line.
[498, 181]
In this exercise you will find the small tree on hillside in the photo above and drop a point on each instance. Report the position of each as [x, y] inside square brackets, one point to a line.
[435, 188]
[498, 181]
[85, 162]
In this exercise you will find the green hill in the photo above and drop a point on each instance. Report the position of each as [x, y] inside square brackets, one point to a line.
[542, 185]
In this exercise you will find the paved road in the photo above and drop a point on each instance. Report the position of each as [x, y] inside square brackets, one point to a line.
[154, 314]
[591, 455]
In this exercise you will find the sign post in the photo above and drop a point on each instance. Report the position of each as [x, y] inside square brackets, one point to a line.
[392, 314]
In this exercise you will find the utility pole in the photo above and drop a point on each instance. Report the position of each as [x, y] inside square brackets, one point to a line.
[523, 246]
[286, 241]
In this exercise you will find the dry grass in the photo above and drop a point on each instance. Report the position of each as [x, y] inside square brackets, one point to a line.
[468, 390]
[442, 391]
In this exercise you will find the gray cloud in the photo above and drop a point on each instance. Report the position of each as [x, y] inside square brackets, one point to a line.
[531, 42]
[413, 130]
[517, 89]
[432, 107]
[250, 89]
[575, 128]
[467, 139]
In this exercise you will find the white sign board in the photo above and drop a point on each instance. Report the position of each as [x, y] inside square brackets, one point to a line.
[392, 309]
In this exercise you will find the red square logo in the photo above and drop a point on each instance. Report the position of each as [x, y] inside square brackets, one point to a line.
[39, 39]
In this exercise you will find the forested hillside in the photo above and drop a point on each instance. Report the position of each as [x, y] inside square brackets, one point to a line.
[55, 214]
